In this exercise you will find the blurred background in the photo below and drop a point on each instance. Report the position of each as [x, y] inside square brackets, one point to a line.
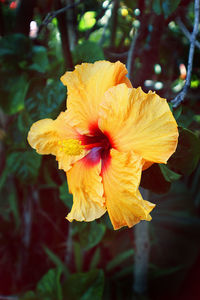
[42, 255]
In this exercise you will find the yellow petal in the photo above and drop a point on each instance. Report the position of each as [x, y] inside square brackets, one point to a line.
[45, 135]
[86, 85]
[121, 180]
[85, 183]
[139, 122]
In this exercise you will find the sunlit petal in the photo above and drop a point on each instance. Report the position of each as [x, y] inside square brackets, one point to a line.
[86, 85]
[139, 122]
[121, 180]
[85, 183]
[44, 136]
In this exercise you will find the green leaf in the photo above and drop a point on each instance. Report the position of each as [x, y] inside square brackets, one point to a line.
[87, 52]
[169, 6]
[166, 7]
[78, 256]
[157, 7]
[154, 180]
[177, 112]
[169, 174]
[49, 287]
[187, 155]
[197, 118]
[30, 295]
[91, 234]
[95, 259]
[45, 102]
[87, 21]
[16, 45]
[157, 272]
[65, 196]
[119, 259]
[84, 286]
[57, 261]
[23, 164]
[40, 59]
[14, 91]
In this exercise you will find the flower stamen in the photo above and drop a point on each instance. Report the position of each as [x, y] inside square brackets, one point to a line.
[71, 146]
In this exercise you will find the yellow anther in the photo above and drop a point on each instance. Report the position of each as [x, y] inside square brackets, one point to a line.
[71, 146]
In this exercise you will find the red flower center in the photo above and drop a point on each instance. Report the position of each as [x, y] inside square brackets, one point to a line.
[99, 143]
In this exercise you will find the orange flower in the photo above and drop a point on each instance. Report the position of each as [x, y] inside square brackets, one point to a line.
[108, 134]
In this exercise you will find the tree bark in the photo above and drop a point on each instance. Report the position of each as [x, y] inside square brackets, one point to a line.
[62, 25]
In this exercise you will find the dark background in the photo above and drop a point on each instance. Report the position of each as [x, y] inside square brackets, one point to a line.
[42, 255]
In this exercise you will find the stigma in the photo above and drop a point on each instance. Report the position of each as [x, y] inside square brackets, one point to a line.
[71, 146]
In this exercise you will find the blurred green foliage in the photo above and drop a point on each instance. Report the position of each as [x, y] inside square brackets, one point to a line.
[42, 256]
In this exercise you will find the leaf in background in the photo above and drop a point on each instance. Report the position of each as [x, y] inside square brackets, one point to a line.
[65, 196]
[177, 112]
[87, 52]
[40, 59]
[95, 259]
[30, 295]
[169, 6]
[57, 261]
[169, 174]
[13, 94]
[84, 286]
[25, 165]
[119, 259]
[157, 7]
[49, 287]
[187, 154]
[153, 180]
[78, 256]
[87, 21]
[46, 102]
[197, 118]
[90, 234]
[166, 7]
[16, 45]
[158, 272]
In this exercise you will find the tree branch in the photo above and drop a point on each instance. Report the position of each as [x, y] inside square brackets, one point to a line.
[142, 249]
[131, 55]
[180, 97]
[50, 16]
[114, 22]
[186, 32]
[62, 26]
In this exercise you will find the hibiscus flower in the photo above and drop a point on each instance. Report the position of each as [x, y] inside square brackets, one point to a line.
[109, 133]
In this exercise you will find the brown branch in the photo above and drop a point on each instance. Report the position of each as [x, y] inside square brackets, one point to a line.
[131, 55]
[180, 97]
[114, 22]
[53, 14]
[62, 26]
